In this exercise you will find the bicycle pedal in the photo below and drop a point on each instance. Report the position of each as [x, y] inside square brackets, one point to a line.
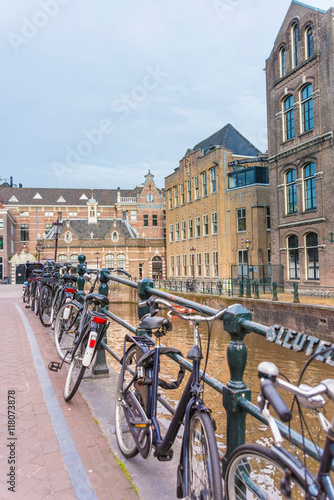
[54, 366]
[47, 324]
[165, 458]
[139, 422]
[27, 306]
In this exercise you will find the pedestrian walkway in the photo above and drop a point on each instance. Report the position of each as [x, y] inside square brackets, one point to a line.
[48, 449]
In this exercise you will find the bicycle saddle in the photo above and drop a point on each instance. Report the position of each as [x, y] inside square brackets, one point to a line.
[98, 297]
[154, 322]
[70, 277]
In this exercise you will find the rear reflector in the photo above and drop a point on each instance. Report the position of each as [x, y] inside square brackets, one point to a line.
[100, 321]
[92, 343]
[70, 290]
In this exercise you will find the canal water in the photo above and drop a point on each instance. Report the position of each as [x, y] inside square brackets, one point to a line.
[259, 349]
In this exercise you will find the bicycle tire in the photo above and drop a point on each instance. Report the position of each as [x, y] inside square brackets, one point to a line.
[45, 299]
[65, 328]
[55, 309]
[26, 295]
[32, 298]
[36, 304]
[76, 371]
[124, 437]
[205, 477]
[254, 471]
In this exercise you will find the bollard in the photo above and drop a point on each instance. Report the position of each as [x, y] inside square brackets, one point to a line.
[256, 290]
[275, 291]
[80, 294]
[248, 288]
[236, 387]
[100, 366]
[241, 289]
[295, 293]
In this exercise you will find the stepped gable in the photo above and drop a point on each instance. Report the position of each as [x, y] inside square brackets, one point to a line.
[50, 196]
[228, 138]
[101, 229]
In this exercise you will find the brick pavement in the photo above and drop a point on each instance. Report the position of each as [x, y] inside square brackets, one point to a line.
[39, 459]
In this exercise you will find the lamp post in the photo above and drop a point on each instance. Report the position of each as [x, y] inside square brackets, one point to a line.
[38, 248]
[57, 225]
[193, 259]
[247, 245]
[97, 259]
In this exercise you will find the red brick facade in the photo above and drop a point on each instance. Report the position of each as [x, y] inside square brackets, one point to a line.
[300, 102]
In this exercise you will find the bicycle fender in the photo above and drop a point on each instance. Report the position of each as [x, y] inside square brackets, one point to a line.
[201, 407]
[76, 303]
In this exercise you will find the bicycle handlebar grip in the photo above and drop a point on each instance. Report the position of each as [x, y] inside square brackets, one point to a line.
[271, 394]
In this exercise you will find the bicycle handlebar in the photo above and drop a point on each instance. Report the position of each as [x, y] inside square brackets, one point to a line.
[270, 393]
[154, 302]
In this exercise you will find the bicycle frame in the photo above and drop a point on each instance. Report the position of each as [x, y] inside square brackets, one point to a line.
[189, 400]
[84, 329]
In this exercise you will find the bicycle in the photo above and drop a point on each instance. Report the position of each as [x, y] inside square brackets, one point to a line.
[67, 323]
[137, 426]
[254, 471]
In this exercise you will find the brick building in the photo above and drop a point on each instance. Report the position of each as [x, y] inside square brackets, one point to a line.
[112, 227]
[217, 205]
[300, 106]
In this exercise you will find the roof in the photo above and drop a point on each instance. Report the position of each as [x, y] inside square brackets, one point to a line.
[62, 196]
[100, 230]
[229, 138]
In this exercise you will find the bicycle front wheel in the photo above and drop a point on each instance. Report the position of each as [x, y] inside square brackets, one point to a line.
[66, 324]
[124, 437]
[254, 472]
[205, 479]
[76, 371]
[45, 299]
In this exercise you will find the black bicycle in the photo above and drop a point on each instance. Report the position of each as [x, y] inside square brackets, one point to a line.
[137, 426]
[256, 472]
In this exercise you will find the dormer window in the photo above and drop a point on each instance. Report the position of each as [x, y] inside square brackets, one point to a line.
[294, 45]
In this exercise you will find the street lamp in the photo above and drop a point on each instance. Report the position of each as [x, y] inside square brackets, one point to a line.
[39, 248]
[193, 259]
[57, 225]
[97, 259]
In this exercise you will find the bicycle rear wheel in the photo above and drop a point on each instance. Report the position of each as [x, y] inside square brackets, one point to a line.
[76, 371]
[254, 472]
[204, 478]
[45, 299]
[66, 324]
[124, 437]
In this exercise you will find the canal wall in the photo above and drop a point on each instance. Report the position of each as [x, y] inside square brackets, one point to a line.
[310, 319]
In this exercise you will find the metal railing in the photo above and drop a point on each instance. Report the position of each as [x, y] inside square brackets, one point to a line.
[237, 322]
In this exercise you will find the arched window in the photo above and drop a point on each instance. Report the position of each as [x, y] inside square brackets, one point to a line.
[115, 236]
[121, 261]
[293, 256]
[282, 61]
[110, 261]
[291, 191]
[307, 107]
[312, 256]
[294, 45]
[310, 199]
[288, 118]
[308, 42]
[62, 258]
[74, 256]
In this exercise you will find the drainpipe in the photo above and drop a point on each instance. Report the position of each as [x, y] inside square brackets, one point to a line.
[225, 199]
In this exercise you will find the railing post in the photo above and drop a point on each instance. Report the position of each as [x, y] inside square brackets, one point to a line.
[275, 291]
[80, 294]
[236, 387]
[295, 293]
[144, 295]
[100, 366]
[256, 290]
[241, 288]
[248, 288]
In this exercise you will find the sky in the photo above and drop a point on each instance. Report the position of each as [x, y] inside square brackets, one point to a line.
[96, 93]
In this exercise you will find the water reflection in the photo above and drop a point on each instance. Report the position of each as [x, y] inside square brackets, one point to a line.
[259, 349]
